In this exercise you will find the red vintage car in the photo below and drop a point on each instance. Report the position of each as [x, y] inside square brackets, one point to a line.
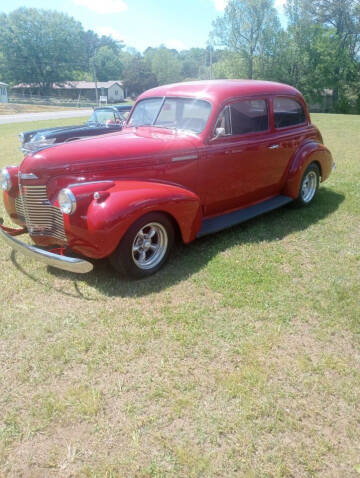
[194, 158]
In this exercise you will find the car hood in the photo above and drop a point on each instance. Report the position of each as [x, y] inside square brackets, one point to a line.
[47, 131]
[138, 145]
[57, 132]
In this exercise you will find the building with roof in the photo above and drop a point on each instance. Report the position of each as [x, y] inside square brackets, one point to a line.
[113, 91]
[4, 92]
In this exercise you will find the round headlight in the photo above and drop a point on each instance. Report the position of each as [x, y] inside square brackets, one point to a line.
[67, 201]
[5, 180]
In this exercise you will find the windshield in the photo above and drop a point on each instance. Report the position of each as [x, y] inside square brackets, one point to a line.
[173, 113]
[104, 117]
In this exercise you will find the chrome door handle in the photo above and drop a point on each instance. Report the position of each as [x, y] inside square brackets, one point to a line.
[274, 146]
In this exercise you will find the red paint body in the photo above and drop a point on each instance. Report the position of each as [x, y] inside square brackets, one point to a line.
[140, 174]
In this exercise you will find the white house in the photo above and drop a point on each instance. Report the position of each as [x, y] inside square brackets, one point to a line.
[4, 92]
[115, 91]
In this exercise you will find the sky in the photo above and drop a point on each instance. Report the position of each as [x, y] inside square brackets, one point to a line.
[179, 24]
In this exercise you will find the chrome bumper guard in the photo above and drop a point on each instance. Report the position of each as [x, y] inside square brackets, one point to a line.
[70, 264]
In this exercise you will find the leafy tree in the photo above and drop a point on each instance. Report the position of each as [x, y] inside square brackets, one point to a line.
[165, 64]
[322, 48]
[138, 76]
[307, 52]
[93, 43]
[2, 67]
[41, 46]
[244, 28]
[193, 63]
[342, 18]
[108, 65]
[230, 65]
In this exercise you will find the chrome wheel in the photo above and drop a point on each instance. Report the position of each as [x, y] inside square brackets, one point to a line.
[149, 246]
[309, 186]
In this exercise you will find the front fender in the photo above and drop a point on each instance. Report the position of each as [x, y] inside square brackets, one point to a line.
[97, 231]
[308, 153]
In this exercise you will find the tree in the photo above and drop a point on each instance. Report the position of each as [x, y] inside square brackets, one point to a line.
[307, 51]
[108, 65]
[322, 39]
[243, 27]
[138, 76]
[41, 46]
[194, 63]
[165, 64]
[2, 67]
[342, 17]
[230, 65]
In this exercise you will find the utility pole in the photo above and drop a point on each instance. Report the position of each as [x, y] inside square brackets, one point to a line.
[95, 80]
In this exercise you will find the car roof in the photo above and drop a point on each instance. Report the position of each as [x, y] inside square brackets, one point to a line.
[123, 107]
[112, 108]
[220, 90]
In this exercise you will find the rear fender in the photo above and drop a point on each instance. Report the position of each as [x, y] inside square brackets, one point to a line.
[308, 153]
[109, 217]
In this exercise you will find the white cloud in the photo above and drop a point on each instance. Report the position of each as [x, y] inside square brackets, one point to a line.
[220, 4]
[110, 32]
[104, 6]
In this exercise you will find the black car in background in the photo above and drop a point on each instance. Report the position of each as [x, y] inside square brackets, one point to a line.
[124, 109]
[105, 119]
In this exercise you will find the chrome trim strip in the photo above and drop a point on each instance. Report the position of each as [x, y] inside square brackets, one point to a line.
[89, 183]
[70, 264]
[185, 158]
[28, 176]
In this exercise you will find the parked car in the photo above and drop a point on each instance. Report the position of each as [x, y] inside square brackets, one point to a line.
[105, 119]
[194, 158]
[124, 109]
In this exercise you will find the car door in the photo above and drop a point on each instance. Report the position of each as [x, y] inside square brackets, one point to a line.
[243, 163]
[290, 130]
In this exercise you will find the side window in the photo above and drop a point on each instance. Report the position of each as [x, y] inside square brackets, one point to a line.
[288, 112]
[249, 116]
[242, 117]
[223, 126]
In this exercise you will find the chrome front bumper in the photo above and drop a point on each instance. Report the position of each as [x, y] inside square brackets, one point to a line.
[71, 264]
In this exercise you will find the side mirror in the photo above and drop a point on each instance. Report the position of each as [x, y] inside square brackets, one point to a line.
[219, 132]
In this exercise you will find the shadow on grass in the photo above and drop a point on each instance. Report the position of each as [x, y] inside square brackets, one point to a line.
[187, 260]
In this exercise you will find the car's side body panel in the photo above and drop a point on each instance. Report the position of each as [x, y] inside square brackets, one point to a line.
[99, 225]
[310, 151]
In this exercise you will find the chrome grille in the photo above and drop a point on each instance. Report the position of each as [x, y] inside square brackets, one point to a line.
[40, 216]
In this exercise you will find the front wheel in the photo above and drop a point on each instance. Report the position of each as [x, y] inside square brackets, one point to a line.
[309, 185]
[145, 247]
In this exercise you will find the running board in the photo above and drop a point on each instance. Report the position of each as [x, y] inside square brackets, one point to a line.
[224, 221]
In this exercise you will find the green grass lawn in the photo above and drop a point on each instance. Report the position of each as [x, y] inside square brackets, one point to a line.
[240, 358]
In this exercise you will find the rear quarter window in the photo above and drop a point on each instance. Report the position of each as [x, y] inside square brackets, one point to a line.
[288, 112]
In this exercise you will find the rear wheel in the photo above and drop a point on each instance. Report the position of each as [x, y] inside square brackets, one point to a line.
[145, 247]
[309, 185]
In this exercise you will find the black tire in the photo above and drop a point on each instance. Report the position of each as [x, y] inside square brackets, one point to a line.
[133, 263]
[309, 186]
